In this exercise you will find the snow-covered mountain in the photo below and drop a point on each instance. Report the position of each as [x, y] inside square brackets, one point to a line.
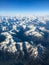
[24, 40]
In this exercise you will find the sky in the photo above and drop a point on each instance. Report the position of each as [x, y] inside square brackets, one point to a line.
[9, 7]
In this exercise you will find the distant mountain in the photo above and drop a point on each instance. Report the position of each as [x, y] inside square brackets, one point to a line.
[24, 40]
